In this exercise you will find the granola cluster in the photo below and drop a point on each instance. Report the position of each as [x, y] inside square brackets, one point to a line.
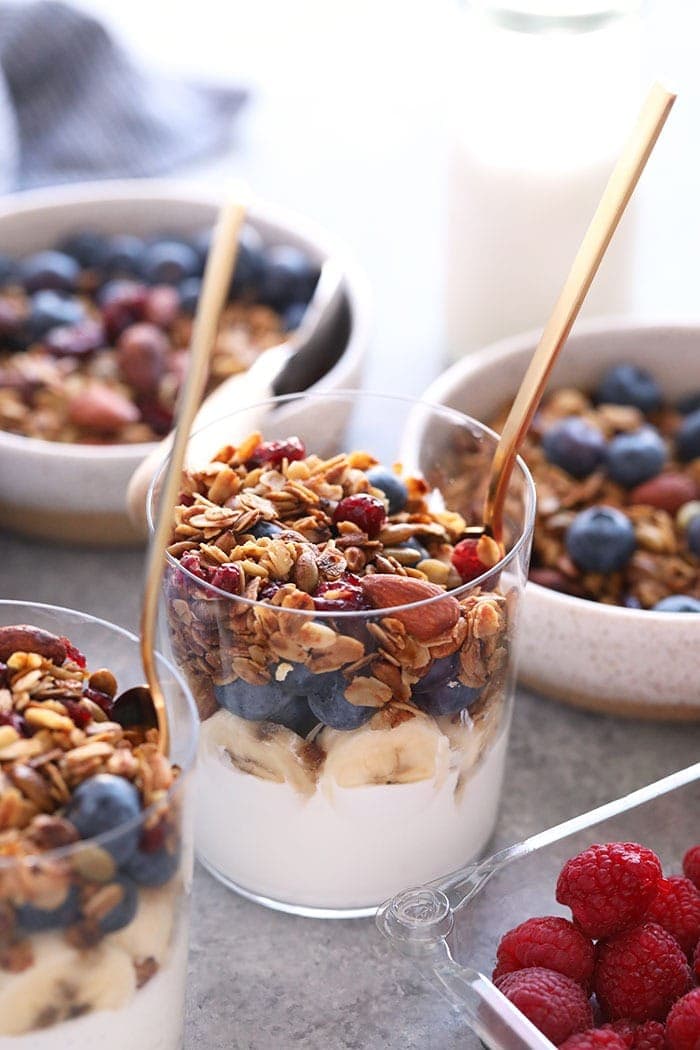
[267, 537]
[70, 771]
[646, 480]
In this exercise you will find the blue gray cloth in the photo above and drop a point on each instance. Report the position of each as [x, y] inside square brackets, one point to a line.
[74, 106]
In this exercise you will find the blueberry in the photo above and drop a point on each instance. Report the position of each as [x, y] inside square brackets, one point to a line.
[201, 242]
[448, 698]
[34, 919]
[190, 290]
[574, 445]
[688, 437]
[439, 672]
[51, 309]
[103, 803]
[413, 544]
[152, 867]
[296, 715]
[630, 385]
[678, 603]
[688, 403]
[86, 247]
[329, 705]
[122, 913]
[288, 277]
[122, 255]
[600, 539]
[169, 262]
[49, 270]
[257, 703]
[8, 269]
[250, 266]
[693, 535]
[299, 680]
[265, 528]
[392, 486]
[635, 457]
[293, 316]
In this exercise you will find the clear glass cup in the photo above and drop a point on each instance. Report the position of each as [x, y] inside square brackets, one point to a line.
[303, 803]
[90, 956]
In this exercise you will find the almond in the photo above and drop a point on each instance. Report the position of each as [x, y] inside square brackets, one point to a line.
[424, 623]
[101, 409]
[666, 492]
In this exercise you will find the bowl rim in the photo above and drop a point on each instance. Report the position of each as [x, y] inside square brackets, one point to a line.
[183, 191]
[495, 353]
[524, 537]
[187, 766]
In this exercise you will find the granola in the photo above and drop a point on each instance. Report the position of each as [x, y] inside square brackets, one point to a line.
[658, 498]
[89, 838]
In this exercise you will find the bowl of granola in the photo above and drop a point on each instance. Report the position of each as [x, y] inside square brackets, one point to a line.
[95, 838]
[350, 642]
[611, 607]
[98, 288]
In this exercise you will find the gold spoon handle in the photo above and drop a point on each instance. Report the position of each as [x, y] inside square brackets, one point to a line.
[217, 278]
[612, 205]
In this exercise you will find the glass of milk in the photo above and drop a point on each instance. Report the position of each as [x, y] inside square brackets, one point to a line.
[544, 95]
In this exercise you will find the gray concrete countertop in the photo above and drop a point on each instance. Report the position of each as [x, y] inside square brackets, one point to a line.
[260, 980]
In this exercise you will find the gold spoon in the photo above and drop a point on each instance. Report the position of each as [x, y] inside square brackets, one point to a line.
[217, 277]
[612, 205]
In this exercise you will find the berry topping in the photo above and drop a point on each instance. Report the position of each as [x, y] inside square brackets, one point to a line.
[640, 973]
[102, 803]
[366, 512]
[288, 277]
[678, 603]
[600, 539]
[629, 385]
[649, 1035]
[595, 1039]
[466, 561]
[692, 535]
[551, 942]
[86, 247]
[152, 867]
[343, 595]
[683, 1023]
[78, 712]
[328, 703]
[609, 887]
[688, 437]
[122, 255]
[142, 352]
[265, 528]
[691, 865]
[169, 262]
[391, 485]
[636, 457]
[124, 908]
[50, 309]
[49, 269]
[33, 918]
[75, 340]
[696, 962]
[554, 1003]
[273, 452]
[447, 698]
[74, 654]
[574, 445]
[227, 578]
[250, 701]
[676, 907]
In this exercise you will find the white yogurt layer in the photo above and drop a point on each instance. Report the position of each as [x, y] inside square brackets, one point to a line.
[343, 847]
[147, 1018]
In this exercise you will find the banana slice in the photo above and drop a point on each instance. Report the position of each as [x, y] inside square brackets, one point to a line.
[412, 751]
[64, 983]
[263, 749]
[149, 933]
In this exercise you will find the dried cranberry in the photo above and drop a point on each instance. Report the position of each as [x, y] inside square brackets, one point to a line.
[73, 654]
[273, 452]
[346, 595]
[11, 718]
[185, 499]
[123, 303]
[4, 676]
[79, 714]
[227, 578]
[153, 839]
[466, 560]
[191, 561]
[75, 340]
[363, 510]
[156, 415]
[101, 699]
[268, 590]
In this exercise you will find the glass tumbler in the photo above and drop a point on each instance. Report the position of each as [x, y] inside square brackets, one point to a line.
[93, 931]
[349, 745]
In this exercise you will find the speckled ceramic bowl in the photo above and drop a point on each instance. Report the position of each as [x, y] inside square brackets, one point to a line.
[77, 493]
[629, 662]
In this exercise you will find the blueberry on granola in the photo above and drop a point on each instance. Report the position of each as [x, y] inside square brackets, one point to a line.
[688, 437]
[574, 445]
[678, 603]
[627, 384]
[102, 803]
[250, 701]
[332, 708]
[636, 457]
[391, 485]
[600, 539]
[49, 269]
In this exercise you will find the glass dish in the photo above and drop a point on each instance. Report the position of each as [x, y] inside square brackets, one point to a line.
[451, 926]
[93, 937]
[304, 804]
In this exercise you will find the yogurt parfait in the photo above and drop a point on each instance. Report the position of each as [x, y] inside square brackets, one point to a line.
[94, 857]
[349, 642]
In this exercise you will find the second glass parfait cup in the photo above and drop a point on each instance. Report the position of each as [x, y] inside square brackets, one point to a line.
[349, 636]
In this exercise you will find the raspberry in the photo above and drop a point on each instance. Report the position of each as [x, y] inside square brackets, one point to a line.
[609, 887]
[647, 1036]
[273, 452]
[550, 942]
[691, 865]
[676, 907]
[595, 1039]
[683, 1024]
[466, 561]
[554, 1003]
[366, 512]
[696, 963]
[640, 973]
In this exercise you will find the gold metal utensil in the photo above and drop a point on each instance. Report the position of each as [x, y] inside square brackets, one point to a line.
[612, 205]
[217, 278]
